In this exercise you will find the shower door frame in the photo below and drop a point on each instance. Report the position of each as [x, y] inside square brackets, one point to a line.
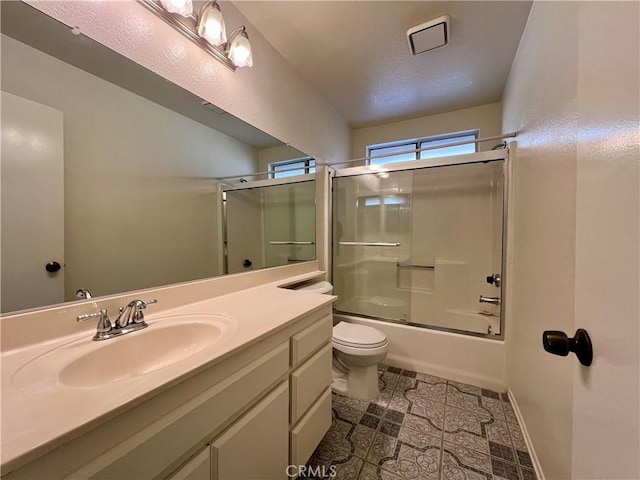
[503, 155]
[223, 188]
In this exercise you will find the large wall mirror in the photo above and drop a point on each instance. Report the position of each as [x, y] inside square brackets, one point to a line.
[111, 172]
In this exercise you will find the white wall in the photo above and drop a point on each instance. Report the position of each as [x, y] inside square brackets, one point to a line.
[270, 95]
[138, 194]
[486, 118]
[573, 96]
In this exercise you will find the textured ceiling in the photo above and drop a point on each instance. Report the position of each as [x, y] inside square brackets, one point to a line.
[356, 54]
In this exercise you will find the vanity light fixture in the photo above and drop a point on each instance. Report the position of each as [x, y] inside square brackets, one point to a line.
[207, 29]
[181, 7]
[211, 24]
[239, 48]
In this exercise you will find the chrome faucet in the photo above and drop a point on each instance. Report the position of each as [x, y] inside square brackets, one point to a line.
[84, 293]
[492, 300]
[130, 319]
[133, 314]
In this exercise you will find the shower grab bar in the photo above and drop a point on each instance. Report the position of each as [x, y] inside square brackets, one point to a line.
[370, 244]
[423, 267]
[289, 242]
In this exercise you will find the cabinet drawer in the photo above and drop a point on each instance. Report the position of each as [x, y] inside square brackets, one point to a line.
[198, 468]
[307, 341]
[309, 381]
[256, 446]
[306, 436]
[166, 440]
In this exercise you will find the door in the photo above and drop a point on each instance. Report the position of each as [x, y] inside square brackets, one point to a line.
[606, 401]
[257, 445]
[32, 204]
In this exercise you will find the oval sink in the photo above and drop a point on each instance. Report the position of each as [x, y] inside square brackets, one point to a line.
[165, 342]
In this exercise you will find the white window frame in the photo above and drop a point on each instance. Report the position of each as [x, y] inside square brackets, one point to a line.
[414, 143]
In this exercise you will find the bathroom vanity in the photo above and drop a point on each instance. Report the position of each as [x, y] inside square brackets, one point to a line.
[248, 402]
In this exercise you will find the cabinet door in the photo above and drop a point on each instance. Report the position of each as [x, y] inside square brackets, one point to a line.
[256, 446]
[198, 468]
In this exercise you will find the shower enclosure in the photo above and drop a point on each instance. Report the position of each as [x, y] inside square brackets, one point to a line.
[420, 243]
[269, 223]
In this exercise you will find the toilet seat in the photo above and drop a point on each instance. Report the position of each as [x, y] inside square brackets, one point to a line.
[357, 336]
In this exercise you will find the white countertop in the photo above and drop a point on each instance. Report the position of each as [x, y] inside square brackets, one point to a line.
[38, 418]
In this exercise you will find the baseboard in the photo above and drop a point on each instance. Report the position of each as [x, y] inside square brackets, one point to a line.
[445, 372]
[532, 453]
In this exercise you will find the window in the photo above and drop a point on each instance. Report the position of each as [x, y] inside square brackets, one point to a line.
[440, 140]
[291, 168]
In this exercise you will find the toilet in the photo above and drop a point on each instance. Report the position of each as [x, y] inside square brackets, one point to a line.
[357, 351]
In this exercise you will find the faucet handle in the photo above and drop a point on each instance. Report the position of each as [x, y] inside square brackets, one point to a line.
[139, 306]
[104, 324]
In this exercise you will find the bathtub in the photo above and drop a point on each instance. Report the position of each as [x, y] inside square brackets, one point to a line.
[463, 358]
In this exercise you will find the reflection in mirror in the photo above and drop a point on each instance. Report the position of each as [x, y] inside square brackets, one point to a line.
[108, 169]
[270, 223]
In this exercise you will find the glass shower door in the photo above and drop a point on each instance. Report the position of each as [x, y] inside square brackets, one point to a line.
[371, 238]
[418, 246]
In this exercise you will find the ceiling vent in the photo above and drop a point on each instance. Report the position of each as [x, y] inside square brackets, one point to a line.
[429, 36]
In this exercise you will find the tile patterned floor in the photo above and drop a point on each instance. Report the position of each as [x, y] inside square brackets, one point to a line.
[423, 428]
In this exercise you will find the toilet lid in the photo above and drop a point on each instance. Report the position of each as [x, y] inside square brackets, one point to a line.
[352, 335]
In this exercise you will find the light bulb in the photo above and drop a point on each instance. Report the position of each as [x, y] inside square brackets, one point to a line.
[211, 24]
[181, 7]
[240, 50]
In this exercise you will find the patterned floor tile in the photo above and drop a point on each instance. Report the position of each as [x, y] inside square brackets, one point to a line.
[504, 469]
[524, 459]
[325, 455]
[388, 380]
[490, 394]
[398, 402]
[470, 459]
[454, 469]
[391, 429]
[394, 415]
[423, 427]
[502, 451]
[498, 432]
[383, 447]
[509, 413]
[436, 392]
[375, 409]
[527, 474]
[338, 433]
[469, 440]
[427, 409]
[351, 402]
[466, 401]
[516, 437]
[370, 421]
[348, 470]
[457, 420]
[424, 377]
[345, 412]
[403, 460]
[494, 407]
[417, 439]
[466, 388]
[373, 472]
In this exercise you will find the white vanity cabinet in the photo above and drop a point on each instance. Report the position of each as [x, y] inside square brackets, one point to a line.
[247, 416]
[310, 411]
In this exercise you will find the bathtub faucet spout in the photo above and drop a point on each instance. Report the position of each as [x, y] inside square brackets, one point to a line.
[491, 300]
